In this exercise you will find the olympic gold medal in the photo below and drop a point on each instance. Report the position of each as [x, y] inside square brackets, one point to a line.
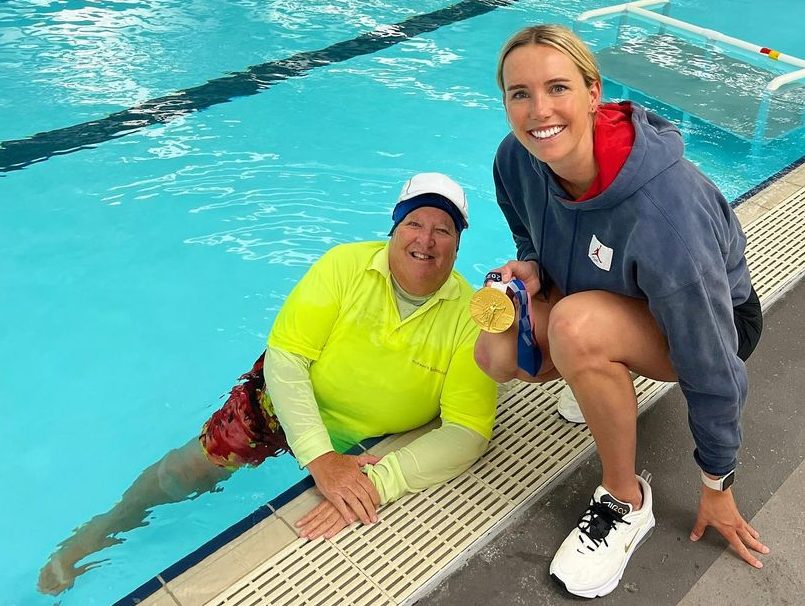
[492, 310]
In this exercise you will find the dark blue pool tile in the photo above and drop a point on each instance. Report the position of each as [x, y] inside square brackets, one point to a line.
[293, 492]
[761, 186]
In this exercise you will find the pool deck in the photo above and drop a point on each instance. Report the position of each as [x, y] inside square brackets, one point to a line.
[668, 569]
[481, 539]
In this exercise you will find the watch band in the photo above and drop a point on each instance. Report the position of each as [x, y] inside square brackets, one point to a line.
[721, 483]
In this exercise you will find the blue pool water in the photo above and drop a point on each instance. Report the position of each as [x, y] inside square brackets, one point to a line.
[140, 276]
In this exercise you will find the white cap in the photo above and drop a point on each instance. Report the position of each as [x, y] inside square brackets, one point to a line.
[436, 183]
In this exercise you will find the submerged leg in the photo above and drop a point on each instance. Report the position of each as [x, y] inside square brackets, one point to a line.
[181, 474]
[240, 433]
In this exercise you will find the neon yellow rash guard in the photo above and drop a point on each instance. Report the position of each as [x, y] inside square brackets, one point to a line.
[343, 365]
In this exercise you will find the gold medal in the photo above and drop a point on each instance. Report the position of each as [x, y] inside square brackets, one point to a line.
[492, 309]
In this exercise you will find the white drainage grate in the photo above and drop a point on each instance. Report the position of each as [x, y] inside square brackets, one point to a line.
[422, 536]
[305, 574]
[775, 248]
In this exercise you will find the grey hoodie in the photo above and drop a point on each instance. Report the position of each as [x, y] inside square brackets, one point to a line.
[661, 232]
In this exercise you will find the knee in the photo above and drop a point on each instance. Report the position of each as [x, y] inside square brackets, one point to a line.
[576, 332]
[186, 471]
[491, 364]
[174, 478]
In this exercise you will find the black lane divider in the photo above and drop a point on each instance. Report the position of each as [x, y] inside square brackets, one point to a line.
[19, 153]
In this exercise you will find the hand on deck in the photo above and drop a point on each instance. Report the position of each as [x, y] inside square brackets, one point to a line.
[322, 521]
[718, 509]
[527, 271]
[345, 486]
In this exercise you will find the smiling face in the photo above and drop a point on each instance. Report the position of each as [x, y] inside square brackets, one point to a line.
[550, 109]
[422, 250]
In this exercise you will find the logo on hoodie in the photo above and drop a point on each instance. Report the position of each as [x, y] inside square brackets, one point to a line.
[599, 254]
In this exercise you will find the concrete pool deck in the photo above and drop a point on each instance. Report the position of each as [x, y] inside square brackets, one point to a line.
[497, 537]
[668, 568]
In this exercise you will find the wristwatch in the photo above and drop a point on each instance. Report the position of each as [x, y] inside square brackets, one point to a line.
[721, 483]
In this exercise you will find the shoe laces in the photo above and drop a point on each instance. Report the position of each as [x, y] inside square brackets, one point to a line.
[595, 524]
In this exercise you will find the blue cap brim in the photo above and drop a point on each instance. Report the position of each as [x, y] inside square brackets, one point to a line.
[404, 208]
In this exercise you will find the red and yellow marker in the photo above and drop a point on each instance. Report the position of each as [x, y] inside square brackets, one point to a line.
[773, 54]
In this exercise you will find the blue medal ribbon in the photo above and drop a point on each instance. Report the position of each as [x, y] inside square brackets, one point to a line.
[529, 356]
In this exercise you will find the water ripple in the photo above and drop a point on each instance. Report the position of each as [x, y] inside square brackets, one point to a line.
[260, 209]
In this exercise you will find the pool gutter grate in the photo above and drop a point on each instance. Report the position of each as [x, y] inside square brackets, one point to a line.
[774, 250]
[421, 537]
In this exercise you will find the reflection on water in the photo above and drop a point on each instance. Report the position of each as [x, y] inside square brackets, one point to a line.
[260, 208]
[82, 60]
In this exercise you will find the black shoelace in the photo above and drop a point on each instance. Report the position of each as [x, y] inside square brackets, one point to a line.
[595, 524]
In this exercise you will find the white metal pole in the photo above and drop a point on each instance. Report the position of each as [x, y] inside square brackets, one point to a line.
[714, 35]
[785, 79]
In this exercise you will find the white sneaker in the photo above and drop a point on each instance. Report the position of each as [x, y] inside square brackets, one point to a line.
[568, 407]
[591, 560]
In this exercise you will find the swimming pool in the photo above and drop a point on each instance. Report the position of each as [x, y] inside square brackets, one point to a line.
[140, 276]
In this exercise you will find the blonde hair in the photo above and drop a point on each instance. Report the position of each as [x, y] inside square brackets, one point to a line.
[560, 38]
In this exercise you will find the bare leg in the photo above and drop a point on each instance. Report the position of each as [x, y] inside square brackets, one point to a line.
[596, 338]
[181, 474]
